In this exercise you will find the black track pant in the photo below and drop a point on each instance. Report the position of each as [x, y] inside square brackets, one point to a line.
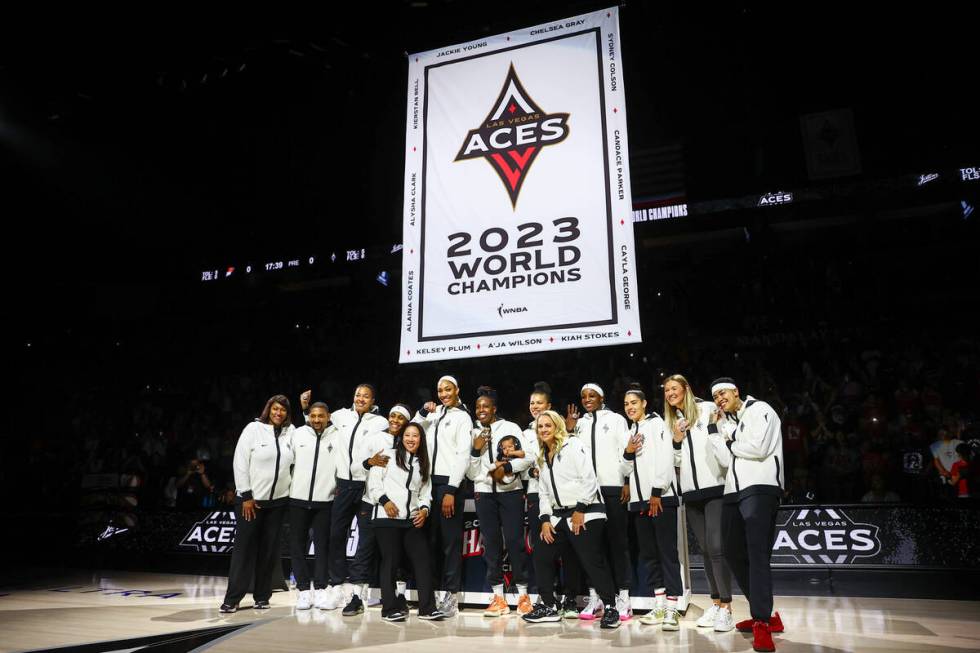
[364, 567]
[617, 543]
[446, 540]
[345, 507]
[657, 542]
[705, 520]
[396, 545]
[587, 546]
[300, 520]
[502, 511]
[749, 527]
[255, 554]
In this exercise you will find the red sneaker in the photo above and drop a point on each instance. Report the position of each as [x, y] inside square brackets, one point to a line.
[762, 638]
[775, 624]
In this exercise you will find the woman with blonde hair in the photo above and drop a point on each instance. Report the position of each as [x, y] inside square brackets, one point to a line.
[572, 518]
[702, 484]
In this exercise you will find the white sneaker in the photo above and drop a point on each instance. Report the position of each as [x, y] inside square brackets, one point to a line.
[303, 601]
[593, 608]
[334, 598]
[707, 620]
[449, 606]
[656, 616]
[320, 599]
[724, 622]
[372, 597]
[624, 608]
[670, 618]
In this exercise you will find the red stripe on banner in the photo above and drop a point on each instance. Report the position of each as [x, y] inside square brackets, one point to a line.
[521, 161]
[513, 176]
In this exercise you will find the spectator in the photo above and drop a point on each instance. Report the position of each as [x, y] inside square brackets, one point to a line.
[879, 493]
[913, 468]
[193, 487]
[960, 473]
[944, 456]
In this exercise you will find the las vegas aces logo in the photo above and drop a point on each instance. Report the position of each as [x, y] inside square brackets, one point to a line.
[513, 134]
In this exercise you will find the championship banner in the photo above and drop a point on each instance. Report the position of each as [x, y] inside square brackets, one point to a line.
[518, 229]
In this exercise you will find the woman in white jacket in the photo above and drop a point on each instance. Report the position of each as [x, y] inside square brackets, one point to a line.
[571, 581]
[498, 492]
[370, 452]
[401, 493]
[747, 436]
[354, 425]
[653, 501]
[572, 518]
[604, 435]
[261, 464]
[447, 428]
[311, 496]
[702, 479]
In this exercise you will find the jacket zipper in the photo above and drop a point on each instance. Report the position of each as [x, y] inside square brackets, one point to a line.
[408, 483]
[350, 448]
[316, 456]
[554, 486]
[275, 477]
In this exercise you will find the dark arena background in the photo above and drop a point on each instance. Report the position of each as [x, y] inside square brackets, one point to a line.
[201, 210]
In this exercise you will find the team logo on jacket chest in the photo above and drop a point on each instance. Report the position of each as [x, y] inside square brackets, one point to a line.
[513, 134]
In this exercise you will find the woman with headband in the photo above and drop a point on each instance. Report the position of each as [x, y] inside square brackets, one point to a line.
[369, 452]
[747, 436]
[448, 438]
[262, 459]
[311, 497]
[498, 492]
[653, 500]
[605, 435]
[355, 424]
[702, 483]
[572, 519]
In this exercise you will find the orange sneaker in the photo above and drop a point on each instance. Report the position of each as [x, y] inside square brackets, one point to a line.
[498, 607]
[524, 605]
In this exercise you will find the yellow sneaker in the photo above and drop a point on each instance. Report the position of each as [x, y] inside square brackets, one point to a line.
[524, 605]
[498, 607]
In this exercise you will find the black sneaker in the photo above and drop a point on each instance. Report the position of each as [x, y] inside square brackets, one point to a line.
[435, 615]
[261, 605]
[401, 603]
[610, 618]
[569, 608]
[395, 615]
[228, 608]
[542, 613]
[355, 607]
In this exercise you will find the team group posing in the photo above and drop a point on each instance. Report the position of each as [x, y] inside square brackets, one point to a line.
[576, 477]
